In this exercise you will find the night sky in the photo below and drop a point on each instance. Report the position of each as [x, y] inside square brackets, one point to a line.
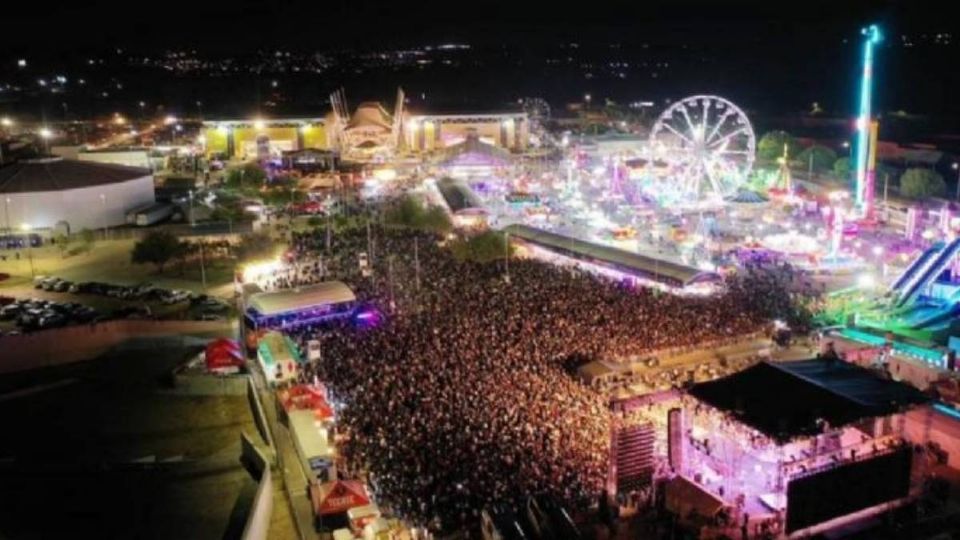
[771, 56]
[245, 24]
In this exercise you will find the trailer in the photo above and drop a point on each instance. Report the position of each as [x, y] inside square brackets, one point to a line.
[154, 214]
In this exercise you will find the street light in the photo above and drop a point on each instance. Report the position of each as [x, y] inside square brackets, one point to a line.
[956, 166]
[103, 202]
[6, 122]
[46, 135]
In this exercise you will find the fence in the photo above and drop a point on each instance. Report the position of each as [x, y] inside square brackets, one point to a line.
[60, 346]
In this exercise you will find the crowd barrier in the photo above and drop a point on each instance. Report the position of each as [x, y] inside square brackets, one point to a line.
[59, 346]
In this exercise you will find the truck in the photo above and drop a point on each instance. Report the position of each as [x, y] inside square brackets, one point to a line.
[154, 214]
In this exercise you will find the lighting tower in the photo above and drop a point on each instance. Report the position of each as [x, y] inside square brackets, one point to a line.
[865, 190]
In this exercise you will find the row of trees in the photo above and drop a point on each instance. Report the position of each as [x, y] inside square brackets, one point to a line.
[161, 248]
[914, 183]
[409, 212]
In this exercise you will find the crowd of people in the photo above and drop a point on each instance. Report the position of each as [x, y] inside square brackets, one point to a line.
[463, 396]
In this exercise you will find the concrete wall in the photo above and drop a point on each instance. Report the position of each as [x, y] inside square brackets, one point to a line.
[206, 384]
[258, 520]
[130, 158]
[81, 208]
[77, 343]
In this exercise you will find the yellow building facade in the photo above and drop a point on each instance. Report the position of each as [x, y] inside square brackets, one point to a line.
[249, 139]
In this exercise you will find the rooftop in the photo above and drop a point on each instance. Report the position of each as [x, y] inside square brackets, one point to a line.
[58, 174]
[293, 300]
[792, 399]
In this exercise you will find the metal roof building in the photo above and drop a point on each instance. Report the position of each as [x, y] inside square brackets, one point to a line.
[41, 192]
[289, 301]
[667, 272]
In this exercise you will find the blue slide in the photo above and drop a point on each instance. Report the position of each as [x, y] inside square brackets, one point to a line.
[930, 271]
[916, 265]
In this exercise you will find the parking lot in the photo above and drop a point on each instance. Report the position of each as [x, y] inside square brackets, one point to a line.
[53, 302]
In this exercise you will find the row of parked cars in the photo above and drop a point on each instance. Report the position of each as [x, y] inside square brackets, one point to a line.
[145, 292]
[202, 307]
[31, 314]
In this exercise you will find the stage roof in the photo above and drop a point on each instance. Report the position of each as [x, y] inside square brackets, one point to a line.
[657, 269]
[785, 400]
[292, 300]
[474, 152]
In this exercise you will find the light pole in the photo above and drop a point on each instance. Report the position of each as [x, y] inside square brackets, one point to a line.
[506, 249]
[956, 166]
[193, 222]
[6, 204]
[46, 135]
[103, 204]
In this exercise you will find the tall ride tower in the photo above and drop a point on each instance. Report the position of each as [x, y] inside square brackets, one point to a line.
[865, 155]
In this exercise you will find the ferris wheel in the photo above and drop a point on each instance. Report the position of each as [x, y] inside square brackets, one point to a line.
[707, 143]
[537, 109]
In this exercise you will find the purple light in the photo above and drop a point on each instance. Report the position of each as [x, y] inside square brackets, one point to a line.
[367, 315]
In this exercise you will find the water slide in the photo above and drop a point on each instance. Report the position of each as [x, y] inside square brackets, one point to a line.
[916, 265]
[928, 272]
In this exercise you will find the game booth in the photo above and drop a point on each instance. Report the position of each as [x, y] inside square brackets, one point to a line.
[278, 357]
[332, 502]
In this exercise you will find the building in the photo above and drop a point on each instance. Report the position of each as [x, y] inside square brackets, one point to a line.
[129, 156]
[369, 132]
[426, 132]
[809, 444]
[287, 308]
[46, 192]
[263, 139]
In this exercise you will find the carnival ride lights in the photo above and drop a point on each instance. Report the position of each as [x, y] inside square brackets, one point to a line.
[864, 194]
[709, 144]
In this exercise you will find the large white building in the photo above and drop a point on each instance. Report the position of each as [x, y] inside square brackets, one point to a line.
[40, 193]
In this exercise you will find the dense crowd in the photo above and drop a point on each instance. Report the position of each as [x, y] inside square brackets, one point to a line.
[463, 397]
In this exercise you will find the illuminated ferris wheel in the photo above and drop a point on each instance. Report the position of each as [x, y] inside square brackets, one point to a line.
[707, 143]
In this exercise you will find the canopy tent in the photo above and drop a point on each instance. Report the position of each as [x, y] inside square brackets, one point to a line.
[307, 397]
[268, 304]
[223, 355]
[790, 399]
[338, 496]
[746, 196]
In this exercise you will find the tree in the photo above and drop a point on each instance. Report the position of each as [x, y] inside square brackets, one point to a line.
[435, 219]
[87, 239]
[249, 177]
[485, 247]
[62, 241]
[922, 183]
[256, 247]
[823, 158]
[157, 248]
[841, 168]
[770, 146]
[408, 212]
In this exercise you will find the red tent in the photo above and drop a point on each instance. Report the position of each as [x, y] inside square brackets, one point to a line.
[303, 396]
[338, 496]
[223, 355]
